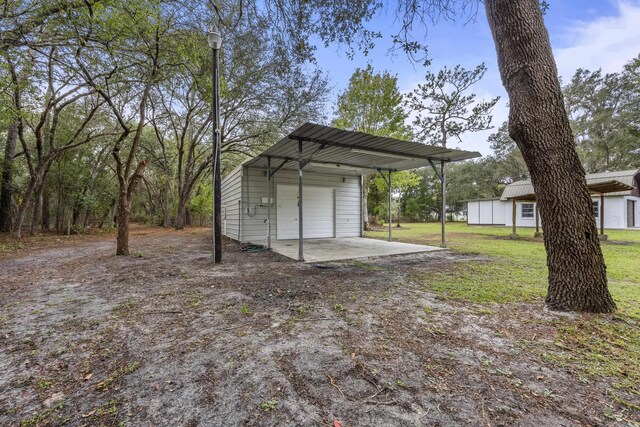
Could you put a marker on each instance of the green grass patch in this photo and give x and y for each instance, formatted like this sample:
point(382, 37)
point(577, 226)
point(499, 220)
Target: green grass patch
point(46, 417)
point(513, 271)
point(516, 270)
point(116, 375)
point(607, 348)
point(366, 266)
point(270, 405)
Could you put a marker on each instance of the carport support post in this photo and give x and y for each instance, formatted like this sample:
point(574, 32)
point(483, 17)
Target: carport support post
point(300, 198)
point(389, 238)
point(443, 215)
point(269, 197)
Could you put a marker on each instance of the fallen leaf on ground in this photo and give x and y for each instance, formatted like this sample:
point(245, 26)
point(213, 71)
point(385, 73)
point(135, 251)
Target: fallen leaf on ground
point(88, 414)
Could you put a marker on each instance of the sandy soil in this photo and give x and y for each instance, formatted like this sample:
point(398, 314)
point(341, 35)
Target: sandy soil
point(164, 338)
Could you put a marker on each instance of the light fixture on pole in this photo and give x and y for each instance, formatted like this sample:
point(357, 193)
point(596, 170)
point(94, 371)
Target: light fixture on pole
point(215, 42)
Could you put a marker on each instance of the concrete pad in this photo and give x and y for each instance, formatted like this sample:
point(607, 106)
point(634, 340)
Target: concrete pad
point(321, 250)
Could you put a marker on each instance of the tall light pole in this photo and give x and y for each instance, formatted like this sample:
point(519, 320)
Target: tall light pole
point(215, 42)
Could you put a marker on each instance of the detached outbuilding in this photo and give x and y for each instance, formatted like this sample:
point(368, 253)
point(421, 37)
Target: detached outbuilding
point(308, 187)
point(615, 196)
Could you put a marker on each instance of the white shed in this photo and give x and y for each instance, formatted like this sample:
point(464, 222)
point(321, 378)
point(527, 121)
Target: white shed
point(309, 184)
point(615, 196)
point(488, 211)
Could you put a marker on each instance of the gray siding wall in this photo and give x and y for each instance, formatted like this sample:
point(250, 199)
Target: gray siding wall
point(254, 213)
point(231, 196)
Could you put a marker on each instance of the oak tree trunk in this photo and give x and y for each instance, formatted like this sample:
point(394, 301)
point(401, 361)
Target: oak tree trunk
point(37, 211)
point(127, 191)
point(6, 185)
point(124, 208)
point(46, 209)
point(24, 205)
point(539, 125)
point(181, 214)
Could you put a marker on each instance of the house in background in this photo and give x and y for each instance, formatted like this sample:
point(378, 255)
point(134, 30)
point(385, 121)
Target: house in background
point(615, 195)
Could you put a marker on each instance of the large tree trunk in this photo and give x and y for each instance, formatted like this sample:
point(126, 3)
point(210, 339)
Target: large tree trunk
point(124, 208)
point(6, 186)
point(22, 209)
point(538, 123)
point(127, 191)
point(46, 209)
point(37, 210)
point(181, 217)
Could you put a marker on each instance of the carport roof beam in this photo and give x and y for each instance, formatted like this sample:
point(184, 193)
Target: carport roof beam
point(328, 164)
point(356, 150)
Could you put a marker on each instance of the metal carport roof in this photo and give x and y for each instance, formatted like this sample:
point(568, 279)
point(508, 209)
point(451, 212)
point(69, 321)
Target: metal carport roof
point(314, 146)
point(325, 146)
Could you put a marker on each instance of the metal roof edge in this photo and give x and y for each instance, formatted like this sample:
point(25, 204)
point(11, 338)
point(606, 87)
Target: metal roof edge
point(481, 200)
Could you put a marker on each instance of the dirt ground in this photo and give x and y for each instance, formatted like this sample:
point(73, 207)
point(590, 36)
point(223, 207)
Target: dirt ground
point(164, 338)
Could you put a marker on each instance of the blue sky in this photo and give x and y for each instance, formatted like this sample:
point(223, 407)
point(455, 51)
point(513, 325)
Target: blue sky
point(584, 34)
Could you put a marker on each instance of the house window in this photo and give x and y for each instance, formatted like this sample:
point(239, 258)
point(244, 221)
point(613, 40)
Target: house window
point(596, 208)
point(527, 210)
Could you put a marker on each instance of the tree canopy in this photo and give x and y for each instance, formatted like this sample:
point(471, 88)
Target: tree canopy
point(444, 108)
point(605, 115)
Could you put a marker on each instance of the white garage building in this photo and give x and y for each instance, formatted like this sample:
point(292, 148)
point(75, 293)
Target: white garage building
point(260, 198)
point(616, 203)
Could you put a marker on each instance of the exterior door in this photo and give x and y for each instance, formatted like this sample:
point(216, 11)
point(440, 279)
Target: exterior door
point(318, 212)
point(631, 213)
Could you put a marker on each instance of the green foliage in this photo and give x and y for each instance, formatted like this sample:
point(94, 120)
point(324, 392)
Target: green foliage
point(120, 49)
point(401, 182)
point(372, 103)
point(474, 179)
point(443, 108)
point(420, 202)
point(507, 161)
point(202, 202)
point(605, 115)
point(269, 405)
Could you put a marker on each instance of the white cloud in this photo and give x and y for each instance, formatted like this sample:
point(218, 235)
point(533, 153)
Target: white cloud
point(607, 42)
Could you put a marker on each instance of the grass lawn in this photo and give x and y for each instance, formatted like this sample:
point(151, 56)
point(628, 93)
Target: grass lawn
point(515, 271)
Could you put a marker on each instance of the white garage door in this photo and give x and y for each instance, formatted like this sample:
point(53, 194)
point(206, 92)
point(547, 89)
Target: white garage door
point(318, 212)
